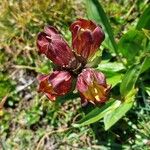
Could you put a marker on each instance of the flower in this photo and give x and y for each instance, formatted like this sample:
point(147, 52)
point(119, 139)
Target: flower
point(71, 63)
point(54, 46)
point(56, 84)
point(86, 37)
point(92, 86)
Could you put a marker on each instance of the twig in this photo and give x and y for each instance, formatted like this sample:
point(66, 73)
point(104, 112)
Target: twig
point(130, 11)
point(25, 67)
point(25, 86)
point(50, 133)
point(3, 101)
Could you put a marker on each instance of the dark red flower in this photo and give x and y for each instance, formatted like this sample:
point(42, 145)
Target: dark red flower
point(86, 37)
point(56, 84)
point(54, 46)
point(92, 86)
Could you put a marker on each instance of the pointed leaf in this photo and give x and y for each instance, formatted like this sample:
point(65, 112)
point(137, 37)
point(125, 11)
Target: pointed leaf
point(147, 89)
point(97, 114)
point(146, 64)
point(95, 12)
point(129, 80)
point(131, 76)
point(131, 44)
point(144, 21)
point(111, 67)
point(114, 80)
point(113, 116)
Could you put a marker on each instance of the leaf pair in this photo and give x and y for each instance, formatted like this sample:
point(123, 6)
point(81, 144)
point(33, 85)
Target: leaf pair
point(111, 112)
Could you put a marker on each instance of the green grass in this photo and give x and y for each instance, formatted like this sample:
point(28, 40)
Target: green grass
point(27, 119)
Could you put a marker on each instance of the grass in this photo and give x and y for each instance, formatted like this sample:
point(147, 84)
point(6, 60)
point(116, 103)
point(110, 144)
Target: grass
point(27, 119)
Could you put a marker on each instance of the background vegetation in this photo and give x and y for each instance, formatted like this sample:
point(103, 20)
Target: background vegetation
point(28, 120)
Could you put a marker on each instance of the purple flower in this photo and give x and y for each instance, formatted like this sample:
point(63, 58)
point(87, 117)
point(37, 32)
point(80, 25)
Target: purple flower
point(86, 39)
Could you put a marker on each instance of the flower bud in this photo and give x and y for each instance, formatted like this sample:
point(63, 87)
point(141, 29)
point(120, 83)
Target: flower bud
point(54, 46)
point(56, 84)
point(86, 37)
point(92, 86)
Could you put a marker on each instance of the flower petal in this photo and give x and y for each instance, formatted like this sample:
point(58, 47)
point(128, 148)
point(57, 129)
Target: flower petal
point(92, 86)
point(51, 31)
point(86, 37)
point(54, 46)
point(56, 84)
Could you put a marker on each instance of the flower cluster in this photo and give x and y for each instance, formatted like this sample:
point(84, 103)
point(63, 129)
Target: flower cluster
point(71, 62)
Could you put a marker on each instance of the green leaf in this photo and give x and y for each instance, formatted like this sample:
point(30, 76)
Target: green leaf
point(131, 76)
point(97, 113)
point(129, 80)
point(147, 89)
point(32, 116)
point(111, 71)
point(147, 33)
point(114, 80)
point(109, 67)
point(6, 85)
point(95, 12)
point(130, 44)
point(144, 21)
point(113, 116)
point(146, 64)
